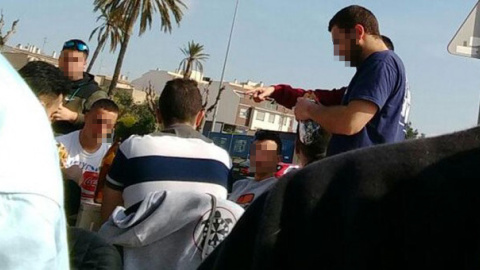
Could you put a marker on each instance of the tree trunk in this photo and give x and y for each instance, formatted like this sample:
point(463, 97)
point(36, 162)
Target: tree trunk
point(118, 66)
point(96, 53)
point(188, 70)
point(123, 49)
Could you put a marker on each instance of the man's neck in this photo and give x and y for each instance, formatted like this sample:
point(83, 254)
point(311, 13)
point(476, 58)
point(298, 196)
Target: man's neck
point(375, 45)
point(88, 143)
point(262, 176)
point(172, 126)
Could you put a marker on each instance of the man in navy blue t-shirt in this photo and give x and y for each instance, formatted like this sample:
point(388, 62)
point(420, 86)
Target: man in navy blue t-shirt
point(371, 110)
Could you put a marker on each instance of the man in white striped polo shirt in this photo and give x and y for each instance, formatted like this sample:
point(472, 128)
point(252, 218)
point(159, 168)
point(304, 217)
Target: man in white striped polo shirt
point(173, 181)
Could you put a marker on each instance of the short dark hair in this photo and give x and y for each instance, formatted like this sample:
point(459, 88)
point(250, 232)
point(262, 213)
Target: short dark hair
point(106, 104)
point(350, 16)
point(317, 149)
point(180, 101)
point(267, 135)
point(45, 79)
point(388, 42)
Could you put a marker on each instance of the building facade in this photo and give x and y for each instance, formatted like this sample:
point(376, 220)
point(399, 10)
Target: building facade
point(237, 113)
point(20, 55)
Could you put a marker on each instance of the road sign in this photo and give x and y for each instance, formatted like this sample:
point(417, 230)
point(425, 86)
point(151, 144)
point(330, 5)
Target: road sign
point(466, 41)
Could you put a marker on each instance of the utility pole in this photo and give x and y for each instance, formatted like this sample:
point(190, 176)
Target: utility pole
point(214, 118)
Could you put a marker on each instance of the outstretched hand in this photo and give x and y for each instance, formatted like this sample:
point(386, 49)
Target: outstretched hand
point(261, 93)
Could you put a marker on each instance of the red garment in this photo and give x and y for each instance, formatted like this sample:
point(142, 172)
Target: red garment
point(287, 96)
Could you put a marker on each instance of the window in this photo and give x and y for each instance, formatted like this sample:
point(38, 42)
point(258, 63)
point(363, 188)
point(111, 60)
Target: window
point(243, 113)
point(260, 116)
point(286, 121)
point(271, 118)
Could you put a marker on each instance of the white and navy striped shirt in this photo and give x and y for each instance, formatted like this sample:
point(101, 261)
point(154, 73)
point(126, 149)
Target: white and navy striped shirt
point(178, 159)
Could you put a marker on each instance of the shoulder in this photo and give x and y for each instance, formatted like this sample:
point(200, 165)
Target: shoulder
point(169, 145)
point(68, 139)
point(387, 60)
point(241, 184)
point(88, 86)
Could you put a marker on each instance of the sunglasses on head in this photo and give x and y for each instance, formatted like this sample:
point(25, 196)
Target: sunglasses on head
point(76, 45)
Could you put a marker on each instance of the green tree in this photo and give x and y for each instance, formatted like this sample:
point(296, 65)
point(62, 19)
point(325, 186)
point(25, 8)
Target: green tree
point(412, 133)
point(132, 11)
point(133, 118)
point(194, 56)
point(110, 28)
point(124, 101)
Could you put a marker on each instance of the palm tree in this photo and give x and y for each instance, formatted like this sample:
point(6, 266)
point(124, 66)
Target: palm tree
point(193, 58)
point(112, 28)
point(131, 11)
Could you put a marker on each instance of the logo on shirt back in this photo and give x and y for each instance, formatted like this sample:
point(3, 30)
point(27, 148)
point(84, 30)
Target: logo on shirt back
point(223, 221)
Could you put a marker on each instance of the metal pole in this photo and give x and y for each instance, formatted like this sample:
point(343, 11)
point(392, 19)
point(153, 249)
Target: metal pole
point(214, 119)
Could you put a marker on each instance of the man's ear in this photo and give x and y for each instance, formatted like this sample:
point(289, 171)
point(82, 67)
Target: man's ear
point(359, 32)
point(199, 118)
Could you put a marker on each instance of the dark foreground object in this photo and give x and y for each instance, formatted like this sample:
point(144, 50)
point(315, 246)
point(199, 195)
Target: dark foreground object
point(414, 205)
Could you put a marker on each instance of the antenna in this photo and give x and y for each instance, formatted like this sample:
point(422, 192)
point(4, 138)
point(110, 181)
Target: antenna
point(44, 42)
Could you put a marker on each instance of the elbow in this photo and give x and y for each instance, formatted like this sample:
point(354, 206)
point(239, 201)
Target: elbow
point(349, 129)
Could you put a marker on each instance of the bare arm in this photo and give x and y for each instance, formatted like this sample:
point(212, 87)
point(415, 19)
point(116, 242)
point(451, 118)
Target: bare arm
point(345, 120)
point(111, 199)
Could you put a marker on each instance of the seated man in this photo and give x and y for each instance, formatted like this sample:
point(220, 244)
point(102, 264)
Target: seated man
point(265, 154)
point(174, 182)
point(86, 147)
point(32, 220)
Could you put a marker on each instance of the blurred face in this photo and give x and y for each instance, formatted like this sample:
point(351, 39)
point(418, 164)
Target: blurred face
point(345, 44)
point(72, 63)
point(99, 123)
point(264, 157)
point(51, 105)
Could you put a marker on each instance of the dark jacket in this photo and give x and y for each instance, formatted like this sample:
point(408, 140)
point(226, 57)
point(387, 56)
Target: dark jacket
point(87, 250)
point(412, 205)
point(80, 98)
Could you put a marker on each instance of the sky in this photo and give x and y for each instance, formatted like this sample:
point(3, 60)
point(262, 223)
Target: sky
point(279, 41)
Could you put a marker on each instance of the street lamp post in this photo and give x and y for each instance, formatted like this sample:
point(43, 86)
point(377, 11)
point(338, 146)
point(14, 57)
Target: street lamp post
point(214, 118)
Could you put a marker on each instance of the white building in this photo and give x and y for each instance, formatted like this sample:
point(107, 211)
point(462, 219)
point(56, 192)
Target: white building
point(236, 113)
